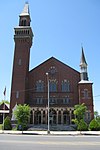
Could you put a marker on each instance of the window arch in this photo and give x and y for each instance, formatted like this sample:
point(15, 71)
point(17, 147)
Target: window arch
point(65, 86)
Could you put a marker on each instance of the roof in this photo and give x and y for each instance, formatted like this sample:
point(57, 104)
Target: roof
point(25, 11)
point(85, 82)
point(53, 58)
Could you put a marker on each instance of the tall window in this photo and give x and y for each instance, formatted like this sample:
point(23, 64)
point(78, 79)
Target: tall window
point(19, 62)
point(17, 94)
point(65, 86)
point(39, 86)
point(85, 93)
point(23, 23)
point(53, 86)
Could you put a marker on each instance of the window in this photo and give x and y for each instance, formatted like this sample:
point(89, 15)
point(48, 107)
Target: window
point(85, 93)
point(17, 94)
point(19, 62)
point(65, 86)
point(53, 86)
point(23, 23)
point(53, 100)
point(66, 100)
point(39, 86)
point(39, 100)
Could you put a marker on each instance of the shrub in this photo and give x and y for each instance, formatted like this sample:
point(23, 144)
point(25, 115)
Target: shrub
point(82, 125)
point(7, 124)
point(1, 126)
point(94, 125)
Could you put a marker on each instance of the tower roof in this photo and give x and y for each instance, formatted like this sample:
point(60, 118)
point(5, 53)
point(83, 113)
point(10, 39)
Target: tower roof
point(83, 60)
point(25, 11)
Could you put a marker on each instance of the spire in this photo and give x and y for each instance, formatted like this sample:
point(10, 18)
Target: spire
point(83, 60)
point(83, 67)
point(25, 11)
point(25, 16)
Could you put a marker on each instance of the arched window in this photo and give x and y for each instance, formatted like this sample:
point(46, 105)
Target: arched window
point(65, 86)
point(53, 86)
point(23, 22)
point(40, 86)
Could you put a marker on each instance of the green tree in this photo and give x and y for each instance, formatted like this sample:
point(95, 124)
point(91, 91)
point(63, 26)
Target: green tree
point(82, 125)
point(94, 125)
point(96, 114)
point(79, 112)
point(7, 124)
point(22, 114)
point(5, 101)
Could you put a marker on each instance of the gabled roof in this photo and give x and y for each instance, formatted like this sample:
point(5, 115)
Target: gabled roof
point(53, 59)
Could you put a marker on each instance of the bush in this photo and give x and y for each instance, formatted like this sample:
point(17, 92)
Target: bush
point(94, 125)
point(82, 126)
point(1, 126)
point(7, 124)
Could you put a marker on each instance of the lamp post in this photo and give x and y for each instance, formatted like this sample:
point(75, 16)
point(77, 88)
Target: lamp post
point(48, 102)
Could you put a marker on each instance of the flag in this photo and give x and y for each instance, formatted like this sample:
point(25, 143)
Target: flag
point(4, 91)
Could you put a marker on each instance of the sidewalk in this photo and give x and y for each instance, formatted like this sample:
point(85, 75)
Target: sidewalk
point(51, 132)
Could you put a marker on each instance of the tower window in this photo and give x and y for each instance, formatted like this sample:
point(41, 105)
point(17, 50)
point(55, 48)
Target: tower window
point(85, 93)
point(17, 94)
point(65, 86)
point(23, 22)
point(39, 86)
point(19, 62)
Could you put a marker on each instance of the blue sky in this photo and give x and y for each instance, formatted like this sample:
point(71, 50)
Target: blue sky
point(60, 27)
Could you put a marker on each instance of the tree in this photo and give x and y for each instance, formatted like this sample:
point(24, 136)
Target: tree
point(94, 125)
point(79, 112)
point(7, 124)
point(82, 125)
point(96, 114)
point(22, 114)
point(4, 101)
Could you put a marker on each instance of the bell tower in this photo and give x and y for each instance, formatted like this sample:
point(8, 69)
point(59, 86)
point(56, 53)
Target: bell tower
point(85, 88)
point(23, 41)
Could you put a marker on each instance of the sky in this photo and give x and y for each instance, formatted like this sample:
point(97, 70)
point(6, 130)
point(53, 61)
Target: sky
point(61, 28)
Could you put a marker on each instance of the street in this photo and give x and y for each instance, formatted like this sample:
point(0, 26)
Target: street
point(48, 142)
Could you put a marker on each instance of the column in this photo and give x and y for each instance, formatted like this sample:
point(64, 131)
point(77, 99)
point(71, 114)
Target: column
point(61, 116)
point(57, 117)
point(33, 116)
point(70, 113)
point(41, 116)
point(46, 116)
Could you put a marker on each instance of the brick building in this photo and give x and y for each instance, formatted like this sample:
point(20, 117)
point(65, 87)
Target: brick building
point(67, 87)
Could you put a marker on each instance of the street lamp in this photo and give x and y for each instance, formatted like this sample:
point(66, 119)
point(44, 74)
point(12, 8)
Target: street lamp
point(48, 102)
